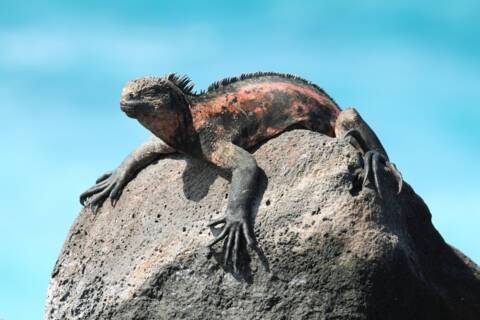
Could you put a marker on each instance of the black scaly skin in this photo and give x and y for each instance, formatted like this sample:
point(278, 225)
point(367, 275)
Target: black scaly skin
point(219, 126)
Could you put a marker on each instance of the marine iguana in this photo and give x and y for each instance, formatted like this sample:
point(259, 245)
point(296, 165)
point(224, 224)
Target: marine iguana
point(220, 124)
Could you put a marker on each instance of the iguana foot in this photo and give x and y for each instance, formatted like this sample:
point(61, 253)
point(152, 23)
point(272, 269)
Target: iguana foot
point(372, 162)
point(110, 184)
point(236, 231)
point(373, 159)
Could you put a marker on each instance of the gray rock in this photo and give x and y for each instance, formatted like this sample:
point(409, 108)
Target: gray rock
point(334, 250)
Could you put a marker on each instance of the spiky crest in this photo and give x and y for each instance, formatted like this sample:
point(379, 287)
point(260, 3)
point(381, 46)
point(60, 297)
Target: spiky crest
point(183, 82)
point(186, 85)
point(244, 76)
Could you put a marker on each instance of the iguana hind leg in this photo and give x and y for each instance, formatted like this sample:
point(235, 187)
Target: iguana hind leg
point(351, 126)
point(111, 184)
point(237, 226)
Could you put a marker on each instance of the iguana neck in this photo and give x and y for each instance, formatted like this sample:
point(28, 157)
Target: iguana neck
point(175, 128)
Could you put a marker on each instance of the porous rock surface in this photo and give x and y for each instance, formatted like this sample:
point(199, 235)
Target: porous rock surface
point(333, 250)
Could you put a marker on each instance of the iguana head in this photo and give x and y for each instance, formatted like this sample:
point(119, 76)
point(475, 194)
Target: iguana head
point(159, 105)
point(149, 96)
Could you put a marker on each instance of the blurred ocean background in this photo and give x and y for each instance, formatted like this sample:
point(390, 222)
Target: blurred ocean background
point(412, 68)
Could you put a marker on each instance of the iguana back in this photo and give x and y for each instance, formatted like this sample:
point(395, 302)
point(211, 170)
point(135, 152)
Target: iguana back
point(248, 109)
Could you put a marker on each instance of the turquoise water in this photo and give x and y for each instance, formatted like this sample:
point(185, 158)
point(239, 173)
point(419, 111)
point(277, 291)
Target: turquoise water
point(412, 70)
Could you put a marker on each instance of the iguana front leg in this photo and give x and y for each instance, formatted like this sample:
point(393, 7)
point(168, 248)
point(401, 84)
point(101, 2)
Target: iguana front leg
point(350, 125)
point(237, 225)
point(111, 183)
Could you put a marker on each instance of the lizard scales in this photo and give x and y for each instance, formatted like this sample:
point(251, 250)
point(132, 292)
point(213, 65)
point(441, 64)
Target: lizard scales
point(220, 124)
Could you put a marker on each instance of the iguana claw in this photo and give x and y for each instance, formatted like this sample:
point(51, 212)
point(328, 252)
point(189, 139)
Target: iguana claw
point(397, 174)
point(108, 185)
point(104, 176)
point(373, 159)
point(236, 231)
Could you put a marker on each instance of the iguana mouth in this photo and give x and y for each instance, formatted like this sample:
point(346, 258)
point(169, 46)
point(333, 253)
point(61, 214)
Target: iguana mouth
point(134, 107)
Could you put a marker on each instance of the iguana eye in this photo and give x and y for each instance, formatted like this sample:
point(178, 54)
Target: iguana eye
point(165, 97)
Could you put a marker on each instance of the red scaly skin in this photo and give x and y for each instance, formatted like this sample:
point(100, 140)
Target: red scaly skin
point(249, 113)
point(219, 125)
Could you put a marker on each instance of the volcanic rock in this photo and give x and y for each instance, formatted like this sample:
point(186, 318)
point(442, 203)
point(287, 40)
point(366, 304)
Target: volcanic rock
point(332, 249)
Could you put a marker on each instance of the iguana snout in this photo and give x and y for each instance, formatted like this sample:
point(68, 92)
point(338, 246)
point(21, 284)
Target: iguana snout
point(161, 107)
point(135, 107)
point(145, 97)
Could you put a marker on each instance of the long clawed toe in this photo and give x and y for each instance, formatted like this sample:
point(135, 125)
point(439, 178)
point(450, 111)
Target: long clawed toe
point(104, 176)
point(373, 161)
point(96, 201)
point(84, 197)
point(115, 194)
point(236, 235)
point(108, 185)
point(216, 231)
point(397, 174)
